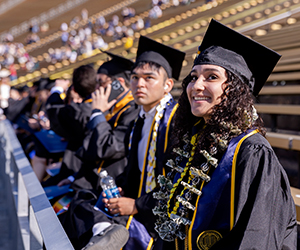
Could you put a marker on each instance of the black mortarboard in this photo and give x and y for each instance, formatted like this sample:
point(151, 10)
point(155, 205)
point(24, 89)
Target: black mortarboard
point(16, 88)
point(169, 58)
point(117, 66)
point(25, 88)
point(250, 61)
point(45, 84)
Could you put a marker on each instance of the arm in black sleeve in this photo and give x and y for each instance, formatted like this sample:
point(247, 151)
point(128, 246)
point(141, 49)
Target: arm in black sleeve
point(105, 142)
point(54, 105)
point(15, 108)
point(265, 216)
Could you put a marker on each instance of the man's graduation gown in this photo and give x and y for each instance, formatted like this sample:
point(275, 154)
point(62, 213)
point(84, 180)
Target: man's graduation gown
point(82, 215)
point(103, 147)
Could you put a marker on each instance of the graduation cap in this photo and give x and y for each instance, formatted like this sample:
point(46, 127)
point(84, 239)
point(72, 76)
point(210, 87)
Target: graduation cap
point(24, 88)
point(169, 58)
point(117, 66)
point(16, 88)
point(251, 61)
point(44, 84)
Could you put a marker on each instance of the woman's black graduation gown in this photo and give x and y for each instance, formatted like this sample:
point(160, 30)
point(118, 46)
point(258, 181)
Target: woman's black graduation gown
point(264, 210)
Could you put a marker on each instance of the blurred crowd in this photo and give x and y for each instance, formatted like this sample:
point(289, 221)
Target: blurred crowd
point(95, 34)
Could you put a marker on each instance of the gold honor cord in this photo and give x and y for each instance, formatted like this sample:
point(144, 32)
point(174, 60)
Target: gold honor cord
point(233, 176)
point(151, 163)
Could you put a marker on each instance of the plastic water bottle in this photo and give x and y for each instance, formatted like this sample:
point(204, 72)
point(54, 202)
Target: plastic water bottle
point(108, 185)
point(109, 188)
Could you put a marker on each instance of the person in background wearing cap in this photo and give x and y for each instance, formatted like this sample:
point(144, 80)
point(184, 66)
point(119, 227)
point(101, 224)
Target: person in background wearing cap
point(38, 121)
point(38, 117)
point(103, 146)
point(227, 189)
point(113, 109)
point(27, 106)
point(148, 138)
point(14, 109)
point(69, 120)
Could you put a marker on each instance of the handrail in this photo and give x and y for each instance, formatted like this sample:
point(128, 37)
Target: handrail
point(279, 109)
point(281, 90)
point(284, 141)
point(38, 223)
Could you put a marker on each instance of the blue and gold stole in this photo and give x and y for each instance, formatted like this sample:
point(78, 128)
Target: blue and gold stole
point(139, 237)
point(121, 106)
point(213, 217)
point(161, 145)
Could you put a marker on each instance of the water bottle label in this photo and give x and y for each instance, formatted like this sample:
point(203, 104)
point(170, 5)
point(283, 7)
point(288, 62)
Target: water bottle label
point(109, 194)
point(115, 192)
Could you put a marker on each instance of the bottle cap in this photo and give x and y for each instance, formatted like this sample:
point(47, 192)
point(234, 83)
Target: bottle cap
point(103, 173)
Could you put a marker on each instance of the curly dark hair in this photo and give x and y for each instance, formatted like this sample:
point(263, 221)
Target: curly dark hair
point(236, 104)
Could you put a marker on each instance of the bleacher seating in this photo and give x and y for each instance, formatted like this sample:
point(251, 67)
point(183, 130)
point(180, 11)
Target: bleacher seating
point(275, 24)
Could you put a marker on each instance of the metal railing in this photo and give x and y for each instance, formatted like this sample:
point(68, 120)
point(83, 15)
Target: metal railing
point(37, 224)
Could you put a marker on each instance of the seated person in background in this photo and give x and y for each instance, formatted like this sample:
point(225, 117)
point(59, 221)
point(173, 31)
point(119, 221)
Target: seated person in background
point(13, 109)
point(103, 146)
point(69, 120)
point(151, 81)
point(38, 122)
point(229, 190)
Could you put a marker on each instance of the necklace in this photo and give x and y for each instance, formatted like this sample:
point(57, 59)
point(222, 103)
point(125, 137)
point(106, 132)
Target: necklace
point(183, 174)
point(172, 222)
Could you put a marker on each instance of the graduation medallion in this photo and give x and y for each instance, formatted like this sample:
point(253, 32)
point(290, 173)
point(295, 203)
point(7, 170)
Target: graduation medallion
point(207, 239)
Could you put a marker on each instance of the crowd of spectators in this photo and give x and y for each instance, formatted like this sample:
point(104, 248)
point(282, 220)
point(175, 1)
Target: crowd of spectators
point(75, 42)
point(12, 52)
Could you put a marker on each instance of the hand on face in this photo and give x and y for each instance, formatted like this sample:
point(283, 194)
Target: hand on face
point(100, 99)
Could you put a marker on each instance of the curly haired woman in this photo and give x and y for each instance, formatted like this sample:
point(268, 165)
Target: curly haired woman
point(227, 189)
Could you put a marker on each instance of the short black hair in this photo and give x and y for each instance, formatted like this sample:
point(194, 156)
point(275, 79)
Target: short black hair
point(84, 80)
point(153, 66)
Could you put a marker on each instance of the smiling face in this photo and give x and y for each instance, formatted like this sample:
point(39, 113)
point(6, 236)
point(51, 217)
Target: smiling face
point(205, 89)
point(149, 86)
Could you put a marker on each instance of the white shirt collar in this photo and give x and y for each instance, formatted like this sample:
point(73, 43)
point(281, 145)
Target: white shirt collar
point(150, 113)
